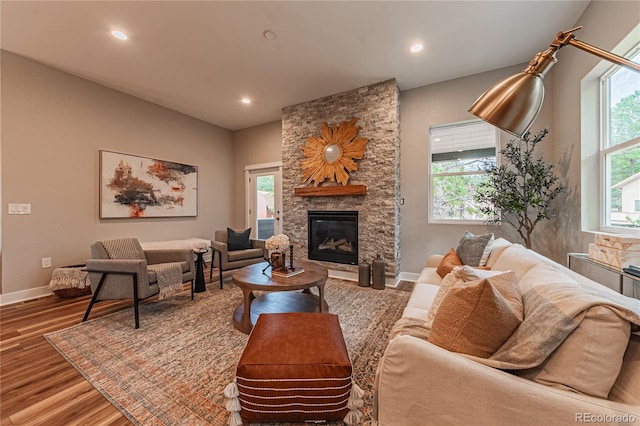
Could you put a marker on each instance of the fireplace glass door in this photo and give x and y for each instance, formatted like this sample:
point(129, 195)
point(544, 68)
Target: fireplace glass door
point(333, 236)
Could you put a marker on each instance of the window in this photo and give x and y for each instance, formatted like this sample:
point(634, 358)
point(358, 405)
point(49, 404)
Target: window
point(620, 145)
point(458, 153)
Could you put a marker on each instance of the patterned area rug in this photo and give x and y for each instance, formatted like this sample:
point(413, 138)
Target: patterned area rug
point(173, 369)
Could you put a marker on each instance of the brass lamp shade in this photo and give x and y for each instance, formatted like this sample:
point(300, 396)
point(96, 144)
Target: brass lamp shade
point(515, 102)
point(511, 104)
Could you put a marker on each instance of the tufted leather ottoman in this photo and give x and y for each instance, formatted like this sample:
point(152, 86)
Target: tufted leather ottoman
point(295, 367)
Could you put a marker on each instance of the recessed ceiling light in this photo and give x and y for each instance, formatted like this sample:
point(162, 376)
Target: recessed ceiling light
point(119, 35)
point(246, 101)
point(269, 35)
point(416, 48)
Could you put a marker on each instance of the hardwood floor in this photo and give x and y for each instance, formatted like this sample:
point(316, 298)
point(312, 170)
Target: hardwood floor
point(37, 385)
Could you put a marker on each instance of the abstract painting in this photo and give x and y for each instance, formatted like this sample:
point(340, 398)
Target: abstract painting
point(138, 187)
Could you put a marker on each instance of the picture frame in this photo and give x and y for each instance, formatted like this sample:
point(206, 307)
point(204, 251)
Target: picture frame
point(132, 186)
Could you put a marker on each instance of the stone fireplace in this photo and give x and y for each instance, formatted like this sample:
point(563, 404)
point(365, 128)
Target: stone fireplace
point(333, 236)
point(377, 109)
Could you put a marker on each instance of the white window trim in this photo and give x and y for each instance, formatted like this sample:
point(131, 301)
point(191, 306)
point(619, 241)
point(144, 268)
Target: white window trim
point(592, 205)
point(604, 151)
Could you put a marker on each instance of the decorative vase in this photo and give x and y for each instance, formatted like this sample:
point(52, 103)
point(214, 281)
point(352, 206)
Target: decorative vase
point(364, 272)
point(378, 273)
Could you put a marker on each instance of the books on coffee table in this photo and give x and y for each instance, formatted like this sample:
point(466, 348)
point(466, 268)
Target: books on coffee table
point(279, 273)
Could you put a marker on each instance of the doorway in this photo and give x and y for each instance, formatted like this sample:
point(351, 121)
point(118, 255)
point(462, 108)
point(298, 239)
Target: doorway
point(263, 183)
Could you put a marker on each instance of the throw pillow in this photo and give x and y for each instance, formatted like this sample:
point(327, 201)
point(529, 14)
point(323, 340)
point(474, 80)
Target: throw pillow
point(238, 240)
point(448, 282)
point(474, 250)
point(448, 262)
point(477, 317)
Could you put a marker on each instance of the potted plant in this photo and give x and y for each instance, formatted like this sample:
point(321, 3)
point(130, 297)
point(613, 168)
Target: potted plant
point(521, 190)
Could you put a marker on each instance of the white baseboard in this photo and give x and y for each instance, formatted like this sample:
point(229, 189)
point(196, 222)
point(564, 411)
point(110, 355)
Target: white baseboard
point(408, 276)
point(23, 295)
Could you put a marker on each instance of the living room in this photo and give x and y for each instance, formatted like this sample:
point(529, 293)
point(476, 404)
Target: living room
point(52, 137)
point(54, 124)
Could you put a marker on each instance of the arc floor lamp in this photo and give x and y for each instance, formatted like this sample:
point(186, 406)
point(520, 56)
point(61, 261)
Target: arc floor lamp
point(513, 103)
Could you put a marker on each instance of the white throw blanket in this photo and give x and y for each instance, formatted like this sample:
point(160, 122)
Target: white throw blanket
point(554, 306)
point(64, 278)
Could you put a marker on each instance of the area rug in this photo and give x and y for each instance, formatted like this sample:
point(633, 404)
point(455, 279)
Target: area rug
point(173, 369)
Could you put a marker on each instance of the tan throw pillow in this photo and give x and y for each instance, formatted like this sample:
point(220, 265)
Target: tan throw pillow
point(590, 358)
point(477, 317)
point(474, 250)
point(448, 262)
point(448, 282)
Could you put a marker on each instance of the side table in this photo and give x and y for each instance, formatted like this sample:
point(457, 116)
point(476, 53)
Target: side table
point(200, 284)
point(584, 257)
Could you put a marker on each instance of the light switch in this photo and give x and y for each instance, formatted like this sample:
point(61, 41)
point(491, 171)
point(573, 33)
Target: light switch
point(19, 208)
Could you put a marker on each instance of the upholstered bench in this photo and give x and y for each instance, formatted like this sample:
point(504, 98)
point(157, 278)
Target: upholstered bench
point(295, 367)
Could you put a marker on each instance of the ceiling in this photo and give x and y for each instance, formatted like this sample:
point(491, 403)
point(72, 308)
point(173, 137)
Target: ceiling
point(202, 57)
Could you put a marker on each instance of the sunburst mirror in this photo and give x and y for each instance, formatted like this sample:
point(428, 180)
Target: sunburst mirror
point(331, 155)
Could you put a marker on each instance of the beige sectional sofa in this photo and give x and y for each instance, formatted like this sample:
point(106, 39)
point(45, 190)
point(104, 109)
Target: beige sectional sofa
point(419, 383)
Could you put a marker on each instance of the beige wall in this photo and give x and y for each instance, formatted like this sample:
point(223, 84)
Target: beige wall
point(53, 125)
point(442, 103)
point(255, 145)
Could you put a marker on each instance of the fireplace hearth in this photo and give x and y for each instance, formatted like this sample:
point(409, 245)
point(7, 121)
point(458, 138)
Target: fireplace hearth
point(333, 236)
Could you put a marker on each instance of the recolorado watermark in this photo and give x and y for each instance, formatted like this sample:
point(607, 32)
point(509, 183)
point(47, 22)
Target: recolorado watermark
point(605, 418)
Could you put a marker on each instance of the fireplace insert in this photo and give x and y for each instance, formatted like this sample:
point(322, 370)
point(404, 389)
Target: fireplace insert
point(333, 236)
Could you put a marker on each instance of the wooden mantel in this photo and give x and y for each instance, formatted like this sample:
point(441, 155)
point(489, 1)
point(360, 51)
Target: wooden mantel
point(327, 191)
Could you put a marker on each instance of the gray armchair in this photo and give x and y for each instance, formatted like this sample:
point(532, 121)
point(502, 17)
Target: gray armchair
point(227, 260)
point(128, 276)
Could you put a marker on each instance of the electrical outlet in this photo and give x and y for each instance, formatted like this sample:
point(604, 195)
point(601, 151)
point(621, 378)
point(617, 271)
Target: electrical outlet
point(46, 262)
point(19, 208)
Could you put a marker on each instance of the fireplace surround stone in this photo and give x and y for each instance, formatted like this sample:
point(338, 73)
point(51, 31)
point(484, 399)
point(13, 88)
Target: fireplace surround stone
point(378, 112)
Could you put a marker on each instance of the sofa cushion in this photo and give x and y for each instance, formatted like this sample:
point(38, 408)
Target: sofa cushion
point(516, 258)
point(238, 240)
point(429, 276)
point(477, 317)
point(625, 389)
point(422, 297)
point(590, 358)
point(250, 253)
point(448, 262)
point(499, 245)
point(474, 250)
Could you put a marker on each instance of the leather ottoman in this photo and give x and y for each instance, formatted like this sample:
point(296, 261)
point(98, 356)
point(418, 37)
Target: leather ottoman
point(295, 367)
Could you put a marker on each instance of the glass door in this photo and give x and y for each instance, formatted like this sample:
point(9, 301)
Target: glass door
point(264, 201)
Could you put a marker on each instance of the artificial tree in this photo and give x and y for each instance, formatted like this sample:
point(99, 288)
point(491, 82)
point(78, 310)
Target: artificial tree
point(521, 190)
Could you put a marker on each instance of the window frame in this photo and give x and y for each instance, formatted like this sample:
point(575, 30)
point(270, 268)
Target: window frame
point(431, 175)
point(605, 149)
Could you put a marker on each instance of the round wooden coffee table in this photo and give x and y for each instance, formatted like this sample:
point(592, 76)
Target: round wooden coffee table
point(279, 292)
